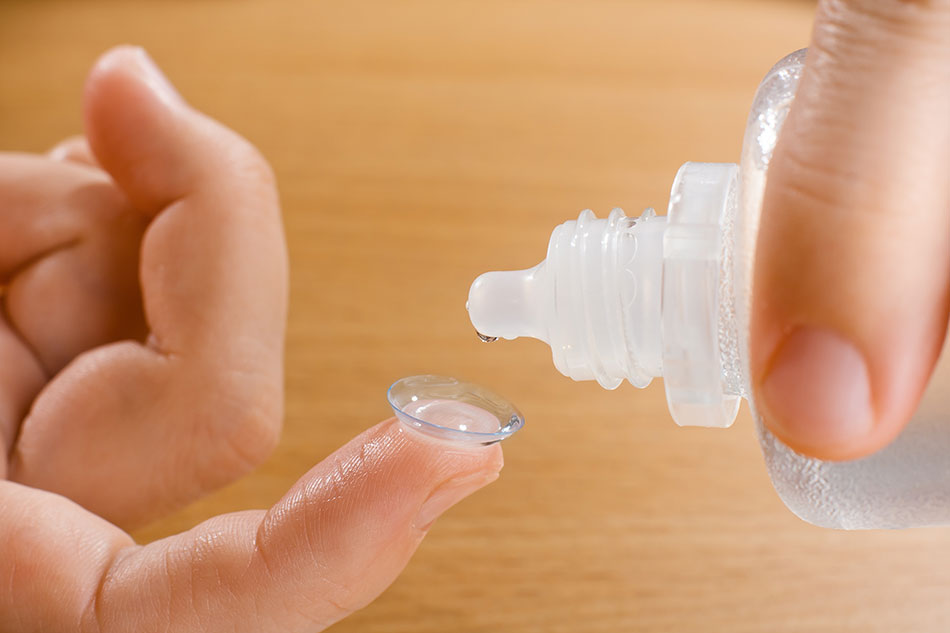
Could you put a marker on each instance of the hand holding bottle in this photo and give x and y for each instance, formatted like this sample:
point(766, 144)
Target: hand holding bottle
point(853, 259)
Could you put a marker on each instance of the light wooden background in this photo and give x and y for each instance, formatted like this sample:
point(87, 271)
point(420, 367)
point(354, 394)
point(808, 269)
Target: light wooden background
point(421, 142)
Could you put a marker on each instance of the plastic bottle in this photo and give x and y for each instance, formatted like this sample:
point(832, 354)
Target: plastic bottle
point(639, 298)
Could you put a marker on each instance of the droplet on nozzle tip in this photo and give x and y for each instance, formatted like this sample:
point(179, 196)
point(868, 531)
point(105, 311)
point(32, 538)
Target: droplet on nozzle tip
point(486, 339)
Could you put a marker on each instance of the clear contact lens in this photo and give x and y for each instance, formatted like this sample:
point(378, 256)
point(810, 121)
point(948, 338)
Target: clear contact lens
point(452, 409)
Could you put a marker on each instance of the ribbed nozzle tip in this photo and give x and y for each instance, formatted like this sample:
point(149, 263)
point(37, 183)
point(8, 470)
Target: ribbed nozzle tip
point(506, 304)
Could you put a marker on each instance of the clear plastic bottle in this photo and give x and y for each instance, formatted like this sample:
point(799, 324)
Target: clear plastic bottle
point(669, 296)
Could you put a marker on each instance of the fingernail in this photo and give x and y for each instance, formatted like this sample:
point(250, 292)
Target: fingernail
point(817, 391)
point(154, 77)
point(448, 494)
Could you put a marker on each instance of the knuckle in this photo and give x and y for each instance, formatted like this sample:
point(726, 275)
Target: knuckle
point(245, 424)
point(805, 187)
point(343, 598)
point(253, 430)
point(889, 8)
point(873, 20)
point(249, 164)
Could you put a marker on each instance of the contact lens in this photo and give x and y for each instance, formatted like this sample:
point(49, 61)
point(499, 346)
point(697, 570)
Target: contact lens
point(451, 409)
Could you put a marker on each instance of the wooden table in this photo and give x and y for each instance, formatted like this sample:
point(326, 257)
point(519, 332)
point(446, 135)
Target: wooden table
point(421, 142)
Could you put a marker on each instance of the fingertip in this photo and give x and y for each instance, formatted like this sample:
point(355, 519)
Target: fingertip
point(371, 503)
point(435, 474)
point(442, 460)
point(133, 119)
point(449, 494)
point(816, 394)
point(156, 147)
point(74, 149)
point(386, 474)
point(132, 62)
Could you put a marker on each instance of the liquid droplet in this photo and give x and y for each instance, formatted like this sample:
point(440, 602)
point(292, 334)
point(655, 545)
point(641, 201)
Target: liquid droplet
point(486, 339)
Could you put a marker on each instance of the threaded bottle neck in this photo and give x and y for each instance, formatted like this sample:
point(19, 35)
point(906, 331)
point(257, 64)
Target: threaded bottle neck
point(634, 298)
point(605, 318)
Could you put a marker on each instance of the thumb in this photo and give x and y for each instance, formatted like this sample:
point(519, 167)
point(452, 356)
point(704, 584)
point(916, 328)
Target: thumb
point(852, 276)
point(201, 402)
point(334, 542)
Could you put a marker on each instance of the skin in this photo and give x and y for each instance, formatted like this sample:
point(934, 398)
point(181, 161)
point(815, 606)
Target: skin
point(144, 292)
point(112, 414)
point(852, 272)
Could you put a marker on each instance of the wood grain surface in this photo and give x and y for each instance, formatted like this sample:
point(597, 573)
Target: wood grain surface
point(419, 143)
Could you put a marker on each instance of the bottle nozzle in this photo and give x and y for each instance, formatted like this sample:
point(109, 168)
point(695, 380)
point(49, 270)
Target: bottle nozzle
point(507, 305)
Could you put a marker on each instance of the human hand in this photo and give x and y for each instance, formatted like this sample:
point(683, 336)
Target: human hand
point(852, 277)
point(112, 411)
